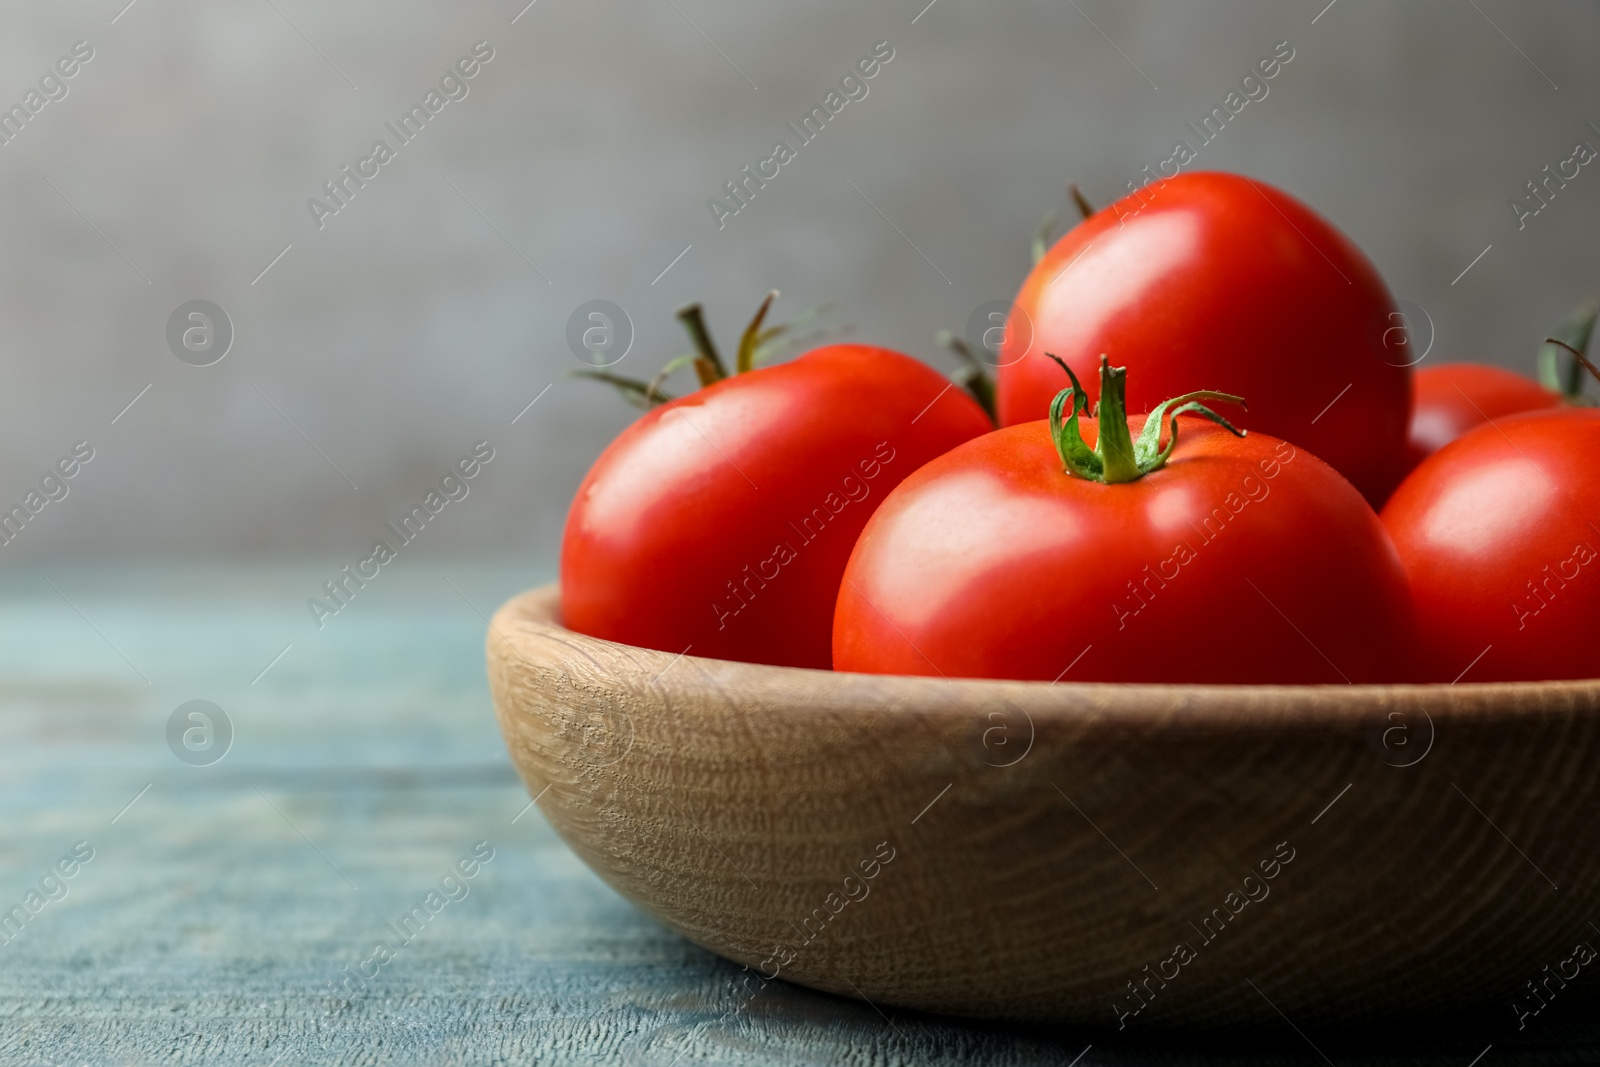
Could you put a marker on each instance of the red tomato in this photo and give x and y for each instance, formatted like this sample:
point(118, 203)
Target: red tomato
point(1215, 281)
point(1452, 398)
point(720, 522)
point(1239, 560)
point(1497, 534)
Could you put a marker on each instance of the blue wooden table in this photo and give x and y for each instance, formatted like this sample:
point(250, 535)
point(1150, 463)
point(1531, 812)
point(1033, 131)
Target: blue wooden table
point(227, 905)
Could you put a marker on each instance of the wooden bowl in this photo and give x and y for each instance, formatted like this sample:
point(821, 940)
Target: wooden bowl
point(1039, 852)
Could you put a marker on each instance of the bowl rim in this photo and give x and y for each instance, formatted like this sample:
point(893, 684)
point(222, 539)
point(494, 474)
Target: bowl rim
point(534, 617)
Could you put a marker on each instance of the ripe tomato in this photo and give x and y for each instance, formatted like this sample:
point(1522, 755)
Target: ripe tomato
point(1234, 559)
point(1452, 398)
point(1215, 281)
point(720, 522)
point(1497, 534)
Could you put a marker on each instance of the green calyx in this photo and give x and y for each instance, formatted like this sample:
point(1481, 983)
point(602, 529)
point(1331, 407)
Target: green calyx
point(1117, 455)
point(973, 374)
point(758, 343)
point(1580, 362)
point(1045, 234)
point(708, 366)
point(1571, 337)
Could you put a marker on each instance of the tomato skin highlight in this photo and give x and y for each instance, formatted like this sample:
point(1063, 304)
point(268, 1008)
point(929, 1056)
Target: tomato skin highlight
point(1452, 398)
point(1214, 281)
point(721, 521)
point(1497, 532)
point(1241, 561)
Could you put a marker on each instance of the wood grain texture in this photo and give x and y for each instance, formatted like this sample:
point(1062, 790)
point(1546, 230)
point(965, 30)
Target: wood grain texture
point(212, 919)
point(215, 914)
point(1052, 842)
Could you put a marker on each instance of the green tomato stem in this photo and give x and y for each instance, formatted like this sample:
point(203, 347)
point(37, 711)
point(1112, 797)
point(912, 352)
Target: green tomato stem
point(1573, 336)
point(973, 375)
point(1046, 230)
point(1117, 456)
point(708, 366)
point(1579, 360)
point(751, 341)
point(1043, 233)
point(1085, 208)
point(1116, 443)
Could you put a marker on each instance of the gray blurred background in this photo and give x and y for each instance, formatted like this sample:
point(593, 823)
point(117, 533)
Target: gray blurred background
point(433, 308)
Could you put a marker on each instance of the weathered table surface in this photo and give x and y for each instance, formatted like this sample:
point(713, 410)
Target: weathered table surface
point(226, 905)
